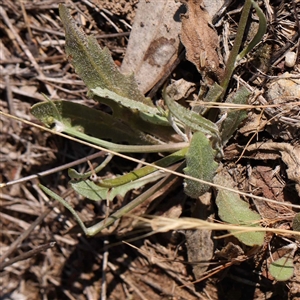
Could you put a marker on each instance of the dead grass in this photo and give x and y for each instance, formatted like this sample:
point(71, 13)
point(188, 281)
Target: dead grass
point(40, 258)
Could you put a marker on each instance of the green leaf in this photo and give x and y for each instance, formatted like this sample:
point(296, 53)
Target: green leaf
point(191, 119)
point(232, 209)
point(94, 65)
point(214, 93)
point(97, 69)
point(122, 184)
point(84, 120)
point(282, 269)
point(147, 113)
point(200, 164)
point(73, 174)
point(259, 34)
point(234, 117)
point(90, 190)
point(135, 174)
point(66, 205)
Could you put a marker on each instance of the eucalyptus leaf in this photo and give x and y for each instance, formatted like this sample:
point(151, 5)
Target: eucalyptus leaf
point(232, 209)
point(94, 65)
point(200, 164)
point(282, 269)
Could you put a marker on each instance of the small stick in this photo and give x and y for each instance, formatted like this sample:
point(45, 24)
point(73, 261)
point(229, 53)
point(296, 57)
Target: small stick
point(27, 255)
point(24, 235)
point(54, 170)
point(23, 46)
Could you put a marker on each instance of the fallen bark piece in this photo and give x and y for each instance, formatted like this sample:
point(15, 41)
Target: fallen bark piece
point(154, 42)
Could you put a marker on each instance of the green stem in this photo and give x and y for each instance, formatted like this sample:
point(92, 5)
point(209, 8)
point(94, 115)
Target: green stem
point(91, 231)
point(230, 65)
point(66, 205)
point(139, 173)
point(234, 57)
point(260, 32)
point(126, 148)
point(127, 208)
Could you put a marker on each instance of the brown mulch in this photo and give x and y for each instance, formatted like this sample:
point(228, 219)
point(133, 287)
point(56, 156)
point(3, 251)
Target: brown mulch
point(40, 257)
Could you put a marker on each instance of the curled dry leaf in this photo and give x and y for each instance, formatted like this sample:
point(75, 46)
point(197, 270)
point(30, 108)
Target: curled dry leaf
point(290, 155)
point(200, 39)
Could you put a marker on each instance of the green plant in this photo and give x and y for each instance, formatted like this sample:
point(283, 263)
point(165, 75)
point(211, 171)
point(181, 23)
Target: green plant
point(136, 121)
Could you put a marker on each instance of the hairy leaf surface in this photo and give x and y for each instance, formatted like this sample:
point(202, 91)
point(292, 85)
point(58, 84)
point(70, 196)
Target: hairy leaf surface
point(234, 210)
point(191, 119)
point(234, 117)
point(200, 164)
point(94, 65)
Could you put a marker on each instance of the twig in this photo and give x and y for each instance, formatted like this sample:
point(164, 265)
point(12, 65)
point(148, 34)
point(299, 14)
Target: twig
point(104, 269)
point(26, 18)
point(27, 255)
point(24, 235)
point(298, 27)
point(54, 170)
point(23, 46)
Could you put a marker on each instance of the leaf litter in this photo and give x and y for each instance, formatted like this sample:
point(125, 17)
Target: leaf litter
point(26, 150)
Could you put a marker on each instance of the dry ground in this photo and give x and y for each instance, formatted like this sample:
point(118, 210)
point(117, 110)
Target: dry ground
point(65, 265)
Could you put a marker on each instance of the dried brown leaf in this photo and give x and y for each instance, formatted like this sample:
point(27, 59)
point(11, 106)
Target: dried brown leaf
point(290, 155)
point(199, 38)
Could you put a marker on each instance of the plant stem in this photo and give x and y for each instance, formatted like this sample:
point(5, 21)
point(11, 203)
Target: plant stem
point(126, 148)
point(230, 65)
point(93, 230)
point(260, 32)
